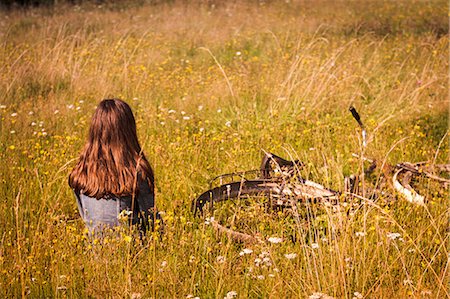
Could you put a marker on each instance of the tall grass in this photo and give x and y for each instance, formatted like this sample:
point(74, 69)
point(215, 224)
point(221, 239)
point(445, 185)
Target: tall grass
point(213, 85)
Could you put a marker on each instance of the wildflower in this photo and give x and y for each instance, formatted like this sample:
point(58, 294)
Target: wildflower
point(202, 129)
point(127, 239)
point(162, 123)
point(393, 236)
point(220, 259)
point(81, 101)
point(357, 295)
point(257, 261)
point(14, 114)
point(200, 107)
point(260, 277)
point(238, 53)
point(56, 111)
point(2, 106)
point(33, 123)
point(290, 256)
point(186, 118)
point(275, 240)
point(209, 220)
point(12, 147)
point(78, 108)
point(360, 234)
point(219, 110)
point(230, 295)
point(183, 113)
point(171, 111)
point(30, 113)
point(228, 123)
point(12, 132)
point(245, 251)
point(407, 282)
point(314, 245)
point(191, 259)
point(70, 106)
point(318, 295)
point(271, 275)
point(163, 264)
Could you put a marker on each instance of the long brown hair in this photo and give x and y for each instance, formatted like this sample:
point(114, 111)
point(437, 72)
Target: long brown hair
point(112, 162)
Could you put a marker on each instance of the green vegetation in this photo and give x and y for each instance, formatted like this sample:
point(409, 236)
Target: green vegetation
point(212, 85)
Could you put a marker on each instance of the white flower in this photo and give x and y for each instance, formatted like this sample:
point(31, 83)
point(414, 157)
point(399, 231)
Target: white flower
point(314, 245)
point(163, 264)
point(260, 277)
point(318, 295)
point(12, 132)
point(220, 259)
point(44, 133)
point(219, 110)
point(360, 234)
point(257, 261)
point(81, 101)
point(393, 236)
point(200, 108)
point(56, 111)
point(238, 53)
point(171, 111)
point(275, 240)
point(271, 275)
point(14, 114)
point(162, 123)
point(407, 282)
point(30, 113)
point(209, 220)
point(228, 123)
point(183, 113)
point(290, 256)
point(231, 294)
point(78, 108)
point(2, 106)
point(186, 118)
point(70, 106)
point(357, 295)
point(202, 129)
point(245, 251)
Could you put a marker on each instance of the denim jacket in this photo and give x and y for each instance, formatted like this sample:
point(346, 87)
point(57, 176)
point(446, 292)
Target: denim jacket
point(105, 212)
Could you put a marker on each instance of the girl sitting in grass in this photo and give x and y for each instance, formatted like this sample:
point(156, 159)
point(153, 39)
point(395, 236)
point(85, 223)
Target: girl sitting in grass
point(112, 177)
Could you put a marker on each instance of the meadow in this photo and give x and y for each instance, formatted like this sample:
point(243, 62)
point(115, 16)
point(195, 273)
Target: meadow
point(213, 85)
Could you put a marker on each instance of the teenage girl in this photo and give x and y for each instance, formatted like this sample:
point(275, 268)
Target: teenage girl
point(113, 177)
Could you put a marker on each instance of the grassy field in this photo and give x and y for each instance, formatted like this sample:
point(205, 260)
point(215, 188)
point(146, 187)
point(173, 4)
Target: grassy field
point(213, 85)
